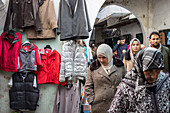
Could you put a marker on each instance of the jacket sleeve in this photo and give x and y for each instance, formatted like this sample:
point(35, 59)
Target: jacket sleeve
point(59, 19)
point(8, 17)
point(125, 64)
point(37, 20)
point(115, 47)
point(52, 15)
point(119, 103)
point(62, 70)
point(37, 57)
point(1, 45)
point(88, 20)
point(89, 87)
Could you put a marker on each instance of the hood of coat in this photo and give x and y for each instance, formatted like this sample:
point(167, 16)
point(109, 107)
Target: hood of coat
point(96, 64)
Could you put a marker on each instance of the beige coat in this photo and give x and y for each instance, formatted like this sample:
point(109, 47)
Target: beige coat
point(48, 20)
point(101, 87)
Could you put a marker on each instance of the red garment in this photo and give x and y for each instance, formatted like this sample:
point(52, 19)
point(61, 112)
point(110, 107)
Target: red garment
point(10, 45)
point(29, 58)
point(49, 73)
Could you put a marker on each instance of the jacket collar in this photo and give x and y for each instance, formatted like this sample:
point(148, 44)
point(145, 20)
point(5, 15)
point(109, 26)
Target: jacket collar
point(30, 49)
point(96, 64)
point(72, 13)
point(11, 32)
point(43, 51)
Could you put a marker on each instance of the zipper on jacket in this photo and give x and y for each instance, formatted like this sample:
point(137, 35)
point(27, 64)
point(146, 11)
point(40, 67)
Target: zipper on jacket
point(24, 90)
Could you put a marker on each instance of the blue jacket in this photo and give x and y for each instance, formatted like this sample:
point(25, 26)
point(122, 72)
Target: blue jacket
point(120, 48)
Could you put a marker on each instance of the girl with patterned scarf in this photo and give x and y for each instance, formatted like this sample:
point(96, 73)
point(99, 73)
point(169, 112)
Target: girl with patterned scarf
point(144, 89)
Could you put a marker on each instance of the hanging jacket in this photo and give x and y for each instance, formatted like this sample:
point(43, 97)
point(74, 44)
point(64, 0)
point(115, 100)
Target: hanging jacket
point(23, 13)
point(73, 61)
point(67, 100)
point(23, 96)
point(10, 44)
point(29, 58)
point(80, 63)
point(49, 73)
point(49, 22)
point(73, 20)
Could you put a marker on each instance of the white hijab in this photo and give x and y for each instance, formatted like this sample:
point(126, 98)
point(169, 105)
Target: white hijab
point(106, 51)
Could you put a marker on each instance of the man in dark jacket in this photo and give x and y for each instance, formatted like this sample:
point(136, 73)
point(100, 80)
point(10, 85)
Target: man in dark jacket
point(120, 46)
point(154, 40)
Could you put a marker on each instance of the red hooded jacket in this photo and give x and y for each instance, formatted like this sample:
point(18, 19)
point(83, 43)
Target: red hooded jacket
point(49, 73)
point(10, 44)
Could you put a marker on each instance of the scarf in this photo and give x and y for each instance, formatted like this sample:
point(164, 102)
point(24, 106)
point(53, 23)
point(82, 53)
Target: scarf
point(106, 51)
point(146, 59)
point(131, 42)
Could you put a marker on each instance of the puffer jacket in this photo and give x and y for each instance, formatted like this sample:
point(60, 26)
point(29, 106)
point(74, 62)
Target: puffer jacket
point(23, 13)
point(73, 61)
point(80, 62)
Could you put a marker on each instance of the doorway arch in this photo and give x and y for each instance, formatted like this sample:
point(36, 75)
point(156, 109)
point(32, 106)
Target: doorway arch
point(135, 7)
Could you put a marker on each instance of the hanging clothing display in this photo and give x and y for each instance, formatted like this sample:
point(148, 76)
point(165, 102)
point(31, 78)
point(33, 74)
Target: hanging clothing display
point(29, 58)
point(23, 13)
point(67, 100)
point(10, 44)
point(3, 8)
point(48, 20)
point(73, 20)
point(22, 95)
point(73, 61)
point(49, 73)
point(168, 40)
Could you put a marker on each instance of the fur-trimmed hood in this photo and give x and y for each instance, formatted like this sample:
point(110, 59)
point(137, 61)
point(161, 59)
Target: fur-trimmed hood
point(96, 64)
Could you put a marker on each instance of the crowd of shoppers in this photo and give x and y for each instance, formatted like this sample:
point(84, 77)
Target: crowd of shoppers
point(136, 81)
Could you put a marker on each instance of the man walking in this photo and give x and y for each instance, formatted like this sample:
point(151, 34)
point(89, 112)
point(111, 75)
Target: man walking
point(120, 46)
point(154, 40)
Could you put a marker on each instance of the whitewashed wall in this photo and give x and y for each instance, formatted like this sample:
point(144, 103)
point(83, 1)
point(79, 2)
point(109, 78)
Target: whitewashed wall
point(133, 29)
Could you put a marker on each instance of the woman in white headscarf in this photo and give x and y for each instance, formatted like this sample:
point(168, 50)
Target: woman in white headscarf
point(128, 56)
point(104, 74)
